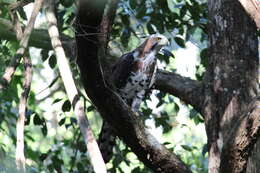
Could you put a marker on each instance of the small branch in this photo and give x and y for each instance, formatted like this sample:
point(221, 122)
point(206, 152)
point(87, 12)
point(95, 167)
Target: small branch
point(241, 140)
point(20, 159)
point(72, 92)
point(252, 7)
point(23, 45)
point(188, 90)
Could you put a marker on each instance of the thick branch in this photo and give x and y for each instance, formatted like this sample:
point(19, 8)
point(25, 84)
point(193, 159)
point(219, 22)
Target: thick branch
point(252, 7)
point(112, 108)
point(72, 92)
point(23, 45)
point(188, 90)
point(242, 140)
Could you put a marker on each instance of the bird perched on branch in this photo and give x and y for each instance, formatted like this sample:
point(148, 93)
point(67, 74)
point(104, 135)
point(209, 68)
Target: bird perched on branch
point(133, 76)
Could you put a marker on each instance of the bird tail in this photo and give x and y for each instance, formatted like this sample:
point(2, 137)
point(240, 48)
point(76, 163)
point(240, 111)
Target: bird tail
point(106, 141)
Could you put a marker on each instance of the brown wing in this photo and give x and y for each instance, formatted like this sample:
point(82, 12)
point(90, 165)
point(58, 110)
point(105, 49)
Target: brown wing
point(122, 70)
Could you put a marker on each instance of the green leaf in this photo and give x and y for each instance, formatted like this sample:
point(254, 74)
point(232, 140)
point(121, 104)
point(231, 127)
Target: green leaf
point(37, 120)
point(186, 147)
point(150, 28)
point(204, 57)
point(136, 170)
point(132, 4)
point(45, 54)
point(90, 108)
point(44, 128)
point(179, 41)
point(43, 156)
point(193, 113)
point(62, 121)
point(66, 106)
point(176, 108)
point(125, 20)
point(52, 61)
point(56, 101)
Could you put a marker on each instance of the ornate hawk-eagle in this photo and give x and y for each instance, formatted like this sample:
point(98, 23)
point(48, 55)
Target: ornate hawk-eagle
point(133, 76)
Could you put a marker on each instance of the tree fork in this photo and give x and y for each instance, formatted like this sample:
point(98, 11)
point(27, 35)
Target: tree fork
point(127, 125)
point(231, 80)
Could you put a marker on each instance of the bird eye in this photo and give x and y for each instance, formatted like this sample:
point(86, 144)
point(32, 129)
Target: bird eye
point(158, 38)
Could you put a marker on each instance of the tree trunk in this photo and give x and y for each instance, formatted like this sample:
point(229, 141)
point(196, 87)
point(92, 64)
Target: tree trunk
point(231, 83)
point(253, 165)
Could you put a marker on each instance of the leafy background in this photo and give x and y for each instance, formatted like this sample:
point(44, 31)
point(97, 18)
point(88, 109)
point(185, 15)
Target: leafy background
point(53, 142)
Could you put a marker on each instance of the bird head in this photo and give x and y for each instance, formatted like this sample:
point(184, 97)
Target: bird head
point(158, 41)
point(153, 43)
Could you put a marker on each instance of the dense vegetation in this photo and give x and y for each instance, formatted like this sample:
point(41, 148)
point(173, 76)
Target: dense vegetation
point(53, 142)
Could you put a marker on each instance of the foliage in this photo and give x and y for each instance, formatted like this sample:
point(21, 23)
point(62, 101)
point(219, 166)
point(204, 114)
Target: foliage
point(52, 138)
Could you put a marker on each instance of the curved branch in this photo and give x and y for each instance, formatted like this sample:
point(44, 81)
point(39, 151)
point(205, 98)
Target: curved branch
point(188, 90)
point(112, 108)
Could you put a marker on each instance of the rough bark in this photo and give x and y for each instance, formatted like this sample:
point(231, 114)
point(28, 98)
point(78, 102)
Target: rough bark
point(231, 80)
point(241, 140)
point(126, 124)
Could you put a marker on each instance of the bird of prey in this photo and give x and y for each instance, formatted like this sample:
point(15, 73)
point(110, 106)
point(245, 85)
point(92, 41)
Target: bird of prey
point(133, 76)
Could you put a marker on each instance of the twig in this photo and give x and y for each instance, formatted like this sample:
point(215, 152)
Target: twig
point(20, 159)
point(66, 75)
point(23, 45)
